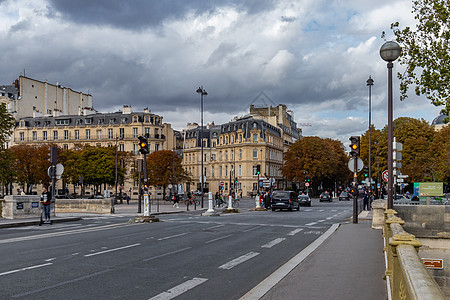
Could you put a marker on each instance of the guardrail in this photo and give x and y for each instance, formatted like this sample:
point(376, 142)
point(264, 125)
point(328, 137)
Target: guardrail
point(406, 276)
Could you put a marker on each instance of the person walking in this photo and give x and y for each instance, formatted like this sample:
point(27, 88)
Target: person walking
point(46, 198)
point(366, 200)
point(175, 201)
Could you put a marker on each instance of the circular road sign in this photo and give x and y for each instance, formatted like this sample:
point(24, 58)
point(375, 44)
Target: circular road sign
point(222, 183)
point(307, 184)
point(385, 175)
point(359, 164)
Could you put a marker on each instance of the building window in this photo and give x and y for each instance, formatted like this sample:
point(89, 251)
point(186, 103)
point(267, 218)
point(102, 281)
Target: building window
point(22, 136)
point(121, 147)
point(156, 147)
point(135, 148)
point(226, 140)
point(226, 171)
point(66, 134)
point(212, 171)
point(226, 155)
point(147, 119)
point(240, 138)
point(220, 155)
point(55, 135)
point(77, 134)
point(65, 147)
point(254, 171)
point(156, 133)
point(255, 137)
point(147, 131)
point(239, 170)
point(99, 134)
point(220, 171)
point(121, 133)
point(232, 154)
point(44, 135)
point(110, 133)
point(255, 186)
point(135, 133)
point(88, 134)
point(240, 153)
point(34, 135)
point(213, 157)
point(88, 121)
point(255, 153)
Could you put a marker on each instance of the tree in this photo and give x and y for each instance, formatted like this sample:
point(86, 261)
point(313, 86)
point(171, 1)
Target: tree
point(6, 171)
point(426, 50)
point(30, 164)
point(7, 123)
point(164, 168)
point(324, 160)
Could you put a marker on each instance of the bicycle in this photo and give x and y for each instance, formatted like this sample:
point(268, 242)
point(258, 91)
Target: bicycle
point(235, 203)
point(191, 201)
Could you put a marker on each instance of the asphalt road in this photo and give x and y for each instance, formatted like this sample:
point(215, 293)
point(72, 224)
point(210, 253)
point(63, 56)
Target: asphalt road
point(185, 255)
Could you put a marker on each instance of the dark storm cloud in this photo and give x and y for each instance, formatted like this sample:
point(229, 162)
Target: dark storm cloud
point(140, 14)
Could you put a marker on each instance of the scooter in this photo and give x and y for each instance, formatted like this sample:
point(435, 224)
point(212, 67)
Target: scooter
point(41, 221)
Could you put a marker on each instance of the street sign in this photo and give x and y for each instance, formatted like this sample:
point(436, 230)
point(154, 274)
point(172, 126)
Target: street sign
point(385, 175)
point(307, 184)
point(400, 180)
point(402, 176)
point(200, 179)
point(222, 183)
point(59, 169)
point(359, 165)
point(432, 263)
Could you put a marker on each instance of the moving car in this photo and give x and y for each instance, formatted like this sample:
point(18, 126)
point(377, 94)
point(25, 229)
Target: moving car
point(304, 200)
point(325, 196)
point(344, 196)
point(284, 200)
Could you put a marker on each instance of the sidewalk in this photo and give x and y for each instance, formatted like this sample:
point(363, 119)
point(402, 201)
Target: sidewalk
point(349, 264)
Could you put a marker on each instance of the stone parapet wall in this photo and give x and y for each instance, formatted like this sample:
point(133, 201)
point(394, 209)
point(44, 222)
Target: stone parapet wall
point(22, 207)
point(94, 206)
point(425, 220)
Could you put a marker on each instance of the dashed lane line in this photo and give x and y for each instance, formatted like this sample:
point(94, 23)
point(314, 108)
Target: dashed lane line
point(273, 243)
point(167, 254)
point(233, 263)
point(111, 250)
point(179, 289)
point(172, 236)
point(218, 239)
point(295, 231)
point(25, 269)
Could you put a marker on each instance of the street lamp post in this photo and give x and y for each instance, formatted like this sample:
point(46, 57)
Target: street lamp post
point(202, 93)
point(389, 52)
point(369, 84)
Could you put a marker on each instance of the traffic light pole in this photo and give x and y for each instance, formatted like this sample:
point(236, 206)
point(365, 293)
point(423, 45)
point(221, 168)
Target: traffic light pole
point(146, 197)
point(355, 194)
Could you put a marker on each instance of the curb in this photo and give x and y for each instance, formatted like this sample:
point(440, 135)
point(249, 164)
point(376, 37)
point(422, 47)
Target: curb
point(30, 223)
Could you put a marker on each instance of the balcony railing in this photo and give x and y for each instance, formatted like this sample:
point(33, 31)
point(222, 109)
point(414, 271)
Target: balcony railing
point(82, 138)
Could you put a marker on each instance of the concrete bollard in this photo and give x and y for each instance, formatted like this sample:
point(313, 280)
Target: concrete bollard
point(230, 202)
point(258, 202)
point(378, 214)
point(210, 203)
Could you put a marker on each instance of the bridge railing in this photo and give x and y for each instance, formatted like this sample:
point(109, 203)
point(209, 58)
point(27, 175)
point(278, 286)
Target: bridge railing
point(406, 275)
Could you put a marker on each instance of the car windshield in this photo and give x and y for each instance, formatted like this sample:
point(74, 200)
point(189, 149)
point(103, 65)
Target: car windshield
point(303, 196)
point(344, 194)
point(281, 194)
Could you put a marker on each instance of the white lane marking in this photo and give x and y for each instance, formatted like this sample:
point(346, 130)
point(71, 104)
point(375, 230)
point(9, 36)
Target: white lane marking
point(172, 236)
point(295, 231)
point(233, 263)
point(250, 229)
point(54, 234)
point(218, 239)
point(321, 210)
point(309, 209)
point(50, 259)
point(217, 226)
point(320, 221)
point(111, 250)
point(261, 289)
point(239, 224)
point(24, 269)
point(167, 254)
point(310, 224)
point(179, 289)
point(329, 218)
point(273, 243)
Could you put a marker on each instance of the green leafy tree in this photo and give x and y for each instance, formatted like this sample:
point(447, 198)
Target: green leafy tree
point(164, 168)
point(425, 50)
point(324, 160)
point(7, 173)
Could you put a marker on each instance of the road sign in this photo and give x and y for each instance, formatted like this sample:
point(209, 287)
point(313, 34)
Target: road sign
point(400, 180)
point(59, 169)
point(402, 176)
point(385, 175)
point(359, 165)
point(307, 184)
point(222, 183)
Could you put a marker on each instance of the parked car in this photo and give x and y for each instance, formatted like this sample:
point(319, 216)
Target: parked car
point(344, 196)
point(284, 200)
point(304, 200)
point(325, 196)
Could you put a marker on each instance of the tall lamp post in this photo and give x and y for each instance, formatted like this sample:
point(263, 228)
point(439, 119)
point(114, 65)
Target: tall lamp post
point(369, 84)
point(202, 93)
point(389, 52)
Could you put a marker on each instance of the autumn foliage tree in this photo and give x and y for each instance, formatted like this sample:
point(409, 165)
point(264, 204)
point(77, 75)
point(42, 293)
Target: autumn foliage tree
point(164, 168)
point(324, 160)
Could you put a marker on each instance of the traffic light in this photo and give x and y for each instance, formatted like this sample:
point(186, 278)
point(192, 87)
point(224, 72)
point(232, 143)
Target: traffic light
point(307, 178)
point(53, 156)
point(354, 146)
point(258, 169)
point(366, 171)
point(143, 145)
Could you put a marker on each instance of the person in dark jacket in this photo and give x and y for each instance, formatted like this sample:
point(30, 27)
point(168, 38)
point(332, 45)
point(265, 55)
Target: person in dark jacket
point(46, 198)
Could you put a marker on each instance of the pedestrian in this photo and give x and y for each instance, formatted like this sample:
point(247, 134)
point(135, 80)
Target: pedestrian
point(127, 197)
point(175, 200)
point(46, 198)
point(217, 198)
point(366, 200)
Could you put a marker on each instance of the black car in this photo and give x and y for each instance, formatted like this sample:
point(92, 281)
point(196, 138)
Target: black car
point(344, 196)
point(325, 196)
point(304, 200)
point(284, 200)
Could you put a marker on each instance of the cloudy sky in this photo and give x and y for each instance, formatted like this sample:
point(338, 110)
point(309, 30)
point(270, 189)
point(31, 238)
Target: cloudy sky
point(315, 56)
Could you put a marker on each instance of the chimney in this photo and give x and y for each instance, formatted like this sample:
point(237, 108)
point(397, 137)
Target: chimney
point(126, 110)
